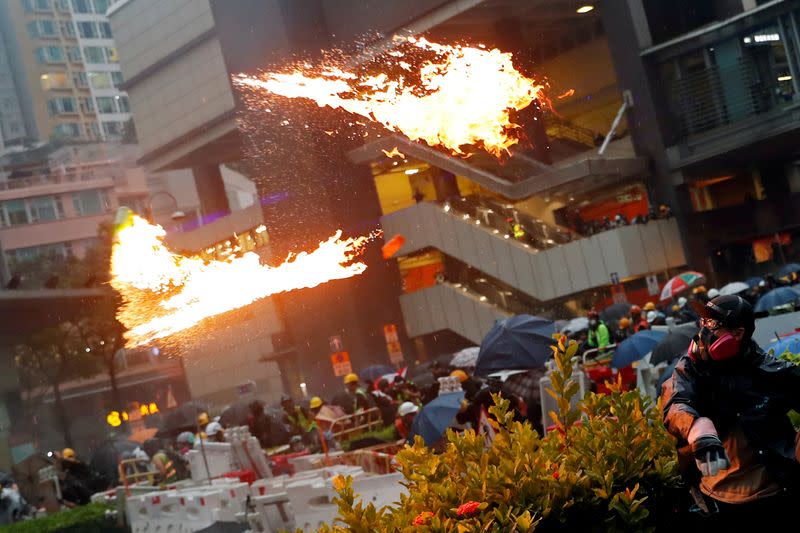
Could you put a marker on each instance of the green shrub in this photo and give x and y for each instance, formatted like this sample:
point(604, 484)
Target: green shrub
point(609, 466)
point(87, 519)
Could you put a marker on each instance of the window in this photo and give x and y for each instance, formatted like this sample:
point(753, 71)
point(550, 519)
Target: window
point(122, 102)
point(105, 30)
point(94, 54)
point(33, 253)
point(87, 105)
point(14, 213)
point(74, 53)
point(80, 80)
point(113, 129)
point(50, 54)
point(81, 6)
point(42, 28)
point(99, 80)
point(90, 202)
point(14, 127)
point(54, 80)
point(105, 104)
point(36, 5)
point(68, 129)
point(101, 6)
point(88, 30)
point(58, 106)
point(45, 208)
point(67, 29)
point(62, 5)
point(116, 78)
point(111, 53)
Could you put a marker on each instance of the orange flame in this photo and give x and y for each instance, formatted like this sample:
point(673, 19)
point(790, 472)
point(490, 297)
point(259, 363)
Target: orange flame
point(394, 152)
point(165, 293)
point(464, 97)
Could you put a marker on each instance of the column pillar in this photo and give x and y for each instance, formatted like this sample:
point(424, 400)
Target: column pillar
point(211, 191)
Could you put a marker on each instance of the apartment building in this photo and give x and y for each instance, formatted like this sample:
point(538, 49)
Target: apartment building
point(62, 62)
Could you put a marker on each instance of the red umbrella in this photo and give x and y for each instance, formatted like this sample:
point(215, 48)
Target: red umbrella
point(681, 283)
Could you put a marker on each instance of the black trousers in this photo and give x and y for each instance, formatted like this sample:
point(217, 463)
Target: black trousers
point(775, 513)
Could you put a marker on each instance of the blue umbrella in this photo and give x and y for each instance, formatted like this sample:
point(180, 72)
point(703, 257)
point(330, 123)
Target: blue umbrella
point(786, 270)
point(371, 373)
point(516, 343)
point(434, 419)
point(754, 281)
point(775, 298)
point(790, 343)
point(636, 346)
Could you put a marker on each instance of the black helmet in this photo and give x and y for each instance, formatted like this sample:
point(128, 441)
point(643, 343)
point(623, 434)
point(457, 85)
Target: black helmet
point(731, 311)
point(151, 446)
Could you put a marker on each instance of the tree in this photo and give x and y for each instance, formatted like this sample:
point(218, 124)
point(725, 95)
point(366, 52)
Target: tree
point(102, 334)
point(51, 357)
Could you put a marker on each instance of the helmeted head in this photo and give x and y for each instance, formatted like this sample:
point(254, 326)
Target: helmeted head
point(636, 311)
point(383, 385)
point(713, 293)
point(651, 317)
point(649, 306)
point(594, 318)
point(286, 402)
point(460, 374)
point(727, 324)
point(215, 432)
point(186, 439)
point(316, 403)
point(351, 381)
point(407, 411)
point(202, 419)
point(624, 323)
point(681, 301)
point(68, 453)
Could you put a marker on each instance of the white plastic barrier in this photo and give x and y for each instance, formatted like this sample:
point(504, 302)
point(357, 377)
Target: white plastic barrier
point(219, 456)
point(549, 403)
point(380, 491)
point(273, 514)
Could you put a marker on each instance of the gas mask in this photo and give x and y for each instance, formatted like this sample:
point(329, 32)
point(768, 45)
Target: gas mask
point(714, 347)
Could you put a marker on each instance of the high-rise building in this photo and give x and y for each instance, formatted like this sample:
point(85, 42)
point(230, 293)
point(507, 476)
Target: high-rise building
point(59, 73)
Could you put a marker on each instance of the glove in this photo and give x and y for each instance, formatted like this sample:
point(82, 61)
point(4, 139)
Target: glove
point(710, 455)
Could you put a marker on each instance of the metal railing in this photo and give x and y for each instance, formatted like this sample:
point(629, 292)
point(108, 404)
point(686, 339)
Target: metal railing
point(59, 178)
point(717, 96)
point(559, 128)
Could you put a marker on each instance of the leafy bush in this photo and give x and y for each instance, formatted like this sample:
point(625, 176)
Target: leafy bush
point(609, 466)
point(87, 519)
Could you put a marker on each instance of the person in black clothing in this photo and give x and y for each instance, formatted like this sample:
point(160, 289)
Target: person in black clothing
point(483, 401)
point(385, 402)
point(259, 423)
point(727, 404)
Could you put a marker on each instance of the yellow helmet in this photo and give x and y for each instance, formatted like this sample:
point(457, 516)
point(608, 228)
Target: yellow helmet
point(202, 418)
point(699, 290)
point(350, 378)
point(460, 374)
point(649, 306)
point(68, 453)
point(315, 402)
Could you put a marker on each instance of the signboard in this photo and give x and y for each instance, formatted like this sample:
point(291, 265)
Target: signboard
point(248, 387)
point(341, 364)
point(395, 352)
point(614, 278)
point(336, 344)
point(390, 333)
point(618, 294)
point(652, 285)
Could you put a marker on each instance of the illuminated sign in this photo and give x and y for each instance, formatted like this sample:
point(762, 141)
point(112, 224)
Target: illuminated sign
point(116, 418)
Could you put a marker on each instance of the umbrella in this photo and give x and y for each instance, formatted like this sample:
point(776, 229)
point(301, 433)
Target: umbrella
point(107, 455)
point(666, 375)
point(754, 281)
point(681, 283)
point(518, 342)
point(434, 419)
point(26, 475)
point(466, 357)
point(674, 344)
point(576, 325)
point(236, 414)
point(616, 311)
point(635, 347)
point(183, 418)
point(776, 298)
point(787, 270)
point(371, 373)
point(143, 434)
point(790, 343)
point(734, 288)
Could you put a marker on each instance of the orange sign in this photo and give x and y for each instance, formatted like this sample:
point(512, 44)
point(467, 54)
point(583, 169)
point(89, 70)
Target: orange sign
point(341, 364)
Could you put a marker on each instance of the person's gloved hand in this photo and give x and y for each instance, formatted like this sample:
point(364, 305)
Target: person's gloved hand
point(709, 453)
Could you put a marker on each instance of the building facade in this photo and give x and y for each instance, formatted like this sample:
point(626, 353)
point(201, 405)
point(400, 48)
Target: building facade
point(64, 69)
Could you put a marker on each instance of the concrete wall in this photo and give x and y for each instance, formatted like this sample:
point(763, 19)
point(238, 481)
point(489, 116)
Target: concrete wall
point(447, 307)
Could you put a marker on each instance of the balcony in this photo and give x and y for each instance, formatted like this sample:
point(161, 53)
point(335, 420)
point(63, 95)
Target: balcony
point(543, 274)
point(56, 183)
point(448, 306)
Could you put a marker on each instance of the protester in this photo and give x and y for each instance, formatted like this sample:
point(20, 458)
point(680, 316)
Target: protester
point(599, 336)
point(483, 400)
point(298, 419)
point(638, 320)
point(726, 403)
point(315, 405)
point(77, 483)
point(354, 397)
point(166, 469)
point(214, 432)
point(258, 423)
point(469, 385)
point(384, 402)
point(185, 442)
point(405, 419)
point(624, 329)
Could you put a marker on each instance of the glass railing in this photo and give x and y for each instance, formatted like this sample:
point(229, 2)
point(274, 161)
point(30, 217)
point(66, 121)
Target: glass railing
point(56, 178)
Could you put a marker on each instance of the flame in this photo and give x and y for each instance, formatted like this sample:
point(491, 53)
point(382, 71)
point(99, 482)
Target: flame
point(393, 152)
point(463, 97)
point(165, 293)
point(566, 94)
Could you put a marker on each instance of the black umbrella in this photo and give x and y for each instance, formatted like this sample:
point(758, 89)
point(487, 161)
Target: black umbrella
point(516, 343)
point(236, 414)
point(787, 270)
point(674, 344)
point(106, 457)
point(182, 418)
point(614, 312)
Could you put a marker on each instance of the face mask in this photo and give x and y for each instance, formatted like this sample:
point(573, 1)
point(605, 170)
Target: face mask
point(715, 348)
point(593, 323)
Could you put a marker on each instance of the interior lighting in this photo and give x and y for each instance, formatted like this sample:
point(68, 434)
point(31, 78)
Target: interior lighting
point(585, 9)
point(784, 78)
point(411, 171)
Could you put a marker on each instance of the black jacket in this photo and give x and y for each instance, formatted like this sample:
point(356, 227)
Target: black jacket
point(753, 391)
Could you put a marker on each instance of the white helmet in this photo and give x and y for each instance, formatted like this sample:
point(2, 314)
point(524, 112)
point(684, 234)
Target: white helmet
point(651, 316)
point(213, 428)
point(681, 301)
point(407, 408)
point(712, 293)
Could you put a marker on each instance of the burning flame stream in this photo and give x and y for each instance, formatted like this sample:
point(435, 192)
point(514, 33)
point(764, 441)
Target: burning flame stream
point(165, 293)
point(464, 97)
